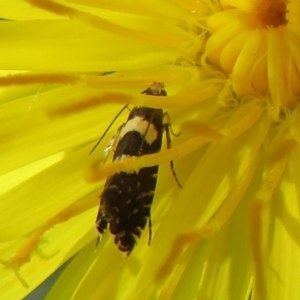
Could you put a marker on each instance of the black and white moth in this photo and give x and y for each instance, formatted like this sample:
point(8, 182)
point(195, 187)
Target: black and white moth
point(127, 197)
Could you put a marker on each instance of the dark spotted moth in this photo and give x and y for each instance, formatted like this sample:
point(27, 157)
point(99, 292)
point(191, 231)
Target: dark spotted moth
point(127, 197)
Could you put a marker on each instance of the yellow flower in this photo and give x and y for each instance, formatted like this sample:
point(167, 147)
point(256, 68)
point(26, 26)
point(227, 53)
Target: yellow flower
point(231, 70)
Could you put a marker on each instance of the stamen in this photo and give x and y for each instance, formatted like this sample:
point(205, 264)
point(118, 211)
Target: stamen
point(103, 24)
point(97, 171)
point(260, 212)
point(25, 79)
point(213, 225)
point(91, 102)
point(25, 251)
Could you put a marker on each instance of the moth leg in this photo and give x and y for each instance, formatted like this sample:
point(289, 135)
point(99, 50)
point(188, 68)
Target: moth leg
point(166, 117)
point(168, 130)
point(105, 132)
point(101, 224)
point(150, 230)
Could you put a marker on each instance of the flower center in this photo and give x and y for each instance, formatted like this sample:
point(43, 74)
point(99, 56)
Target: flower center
point(270, 13)
point(256, 44)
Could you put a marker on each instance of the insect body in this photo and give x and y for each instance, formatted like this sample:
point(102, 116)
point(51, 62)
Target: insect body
point(127, 197)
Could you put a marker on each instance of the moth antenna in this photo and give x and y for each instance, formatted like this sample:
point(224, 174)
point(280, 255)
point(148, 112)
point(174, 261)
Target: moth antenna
point(105, 132)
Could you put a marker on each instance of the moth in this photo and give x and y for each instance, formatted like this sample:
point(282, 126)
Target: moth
point(125, 205)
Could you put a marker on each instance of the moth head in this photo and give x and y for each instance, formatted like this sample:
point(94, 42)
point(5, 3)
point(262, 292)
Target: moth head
point(157, 87)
